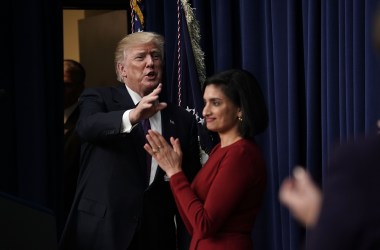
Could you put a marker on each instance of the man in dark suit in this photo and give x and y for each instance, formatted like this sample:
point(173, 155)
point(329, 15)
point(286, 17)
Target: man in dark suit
point(73, 82)
point(123, 199)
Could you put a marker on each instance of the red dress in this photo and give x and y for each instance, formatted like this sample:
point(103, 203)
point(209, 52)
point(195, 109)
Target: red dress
point(220, 206)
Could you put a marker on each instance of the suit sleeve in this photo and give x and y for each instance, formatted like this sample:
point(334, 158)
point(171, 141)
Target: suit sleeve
point(96, 121)
point(332, 228)
point(225, 194)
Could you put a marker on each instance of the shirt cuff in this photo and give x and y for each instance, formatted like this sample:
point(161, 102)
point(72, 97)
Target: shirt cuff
point(126, 126)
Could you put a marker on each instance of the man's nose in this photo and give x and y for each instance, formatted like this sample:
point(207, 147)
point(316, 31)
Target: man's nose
point(149, 60)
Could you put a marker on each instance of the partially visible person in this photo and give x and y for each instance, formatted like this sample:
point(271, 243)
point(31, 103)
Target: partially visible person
point(123, 200)
point(346, 214)
point(302, 196)
point(220, 206)
point(73, 83)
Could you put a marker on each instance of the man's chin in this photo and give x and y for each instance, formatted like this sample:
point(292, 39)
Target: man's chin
point(150, 87)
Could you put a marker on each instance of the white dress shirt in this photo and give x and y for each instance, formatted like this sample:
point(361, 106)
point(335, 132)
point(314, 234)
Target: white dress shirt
point(155, 124)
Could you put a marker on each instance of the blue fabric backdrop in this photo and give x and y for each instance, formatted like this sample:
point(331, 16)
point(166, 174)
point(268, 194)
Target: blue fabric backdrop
point(316, 63)
point(314, 60)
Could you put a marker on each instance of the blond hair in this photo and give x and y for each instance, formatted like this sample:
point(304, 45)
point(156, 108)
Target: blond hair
point(133, 40)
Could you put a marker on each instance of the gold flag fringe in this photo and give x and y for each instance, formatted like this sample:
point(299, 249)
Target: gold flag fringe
point(195, 36)
point(138, 11)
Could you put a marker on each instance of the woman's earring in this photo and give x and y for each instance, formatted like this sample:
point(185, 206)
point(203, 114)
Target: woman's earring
point(240, 118)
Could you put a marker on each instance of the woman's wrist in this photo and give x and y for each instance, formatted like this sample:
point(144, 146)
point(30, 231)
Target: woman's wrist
point(173, 172)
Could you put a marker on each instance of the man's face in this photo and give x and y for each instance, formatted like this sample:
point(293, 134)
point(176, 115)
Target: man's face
point(142, 68)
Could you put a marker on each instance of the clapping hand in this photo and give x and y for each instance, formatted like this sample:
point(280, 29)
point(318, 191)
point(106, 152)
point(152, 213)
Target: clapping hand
point(168, 157)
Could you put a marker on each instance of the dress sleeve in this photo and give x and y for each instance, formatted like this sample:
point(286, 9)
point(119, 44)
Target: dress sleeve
point(235, 176)
point(179, 181)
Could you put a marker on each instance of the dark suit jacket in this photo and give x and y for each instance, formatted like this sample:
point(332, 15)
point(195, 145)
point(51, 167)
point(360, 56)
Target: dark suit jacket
point(113, 199)
point(71, 161)
point(350, 215)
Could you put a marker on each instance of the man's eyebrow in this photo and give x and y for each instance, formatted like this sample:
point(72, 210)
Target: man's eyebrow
point(141, 52)
point(156, 52)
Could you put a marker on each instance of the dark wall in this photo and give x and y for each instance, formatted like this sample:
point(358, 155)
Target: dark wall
point(98, 57)
point(31, 98)
point(7, 146)
point(31, 102)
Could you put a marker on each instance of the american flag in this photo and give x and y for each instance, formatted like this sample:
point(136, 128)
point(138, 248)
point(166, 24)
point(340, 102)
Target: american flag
point(137, 15)
point(189, 71)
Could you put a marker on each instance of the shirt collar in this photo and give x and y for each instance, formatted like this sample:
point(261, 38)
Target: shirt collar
point(68, 111)
point(135, 97)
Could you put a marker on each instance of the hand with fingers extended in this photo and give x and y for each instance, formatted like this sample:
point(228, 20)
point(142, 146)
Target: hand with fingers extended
point(301, 195)
point(169, 158)
point(148, 106)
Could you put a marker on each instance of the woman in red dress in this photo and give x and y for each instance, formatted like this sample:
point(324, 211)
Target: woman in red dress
point(220, 206)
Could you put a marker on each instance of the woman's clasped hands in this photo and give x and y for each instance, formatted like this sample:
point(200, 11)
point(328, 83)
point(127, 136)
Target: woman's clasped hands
point(168, 157)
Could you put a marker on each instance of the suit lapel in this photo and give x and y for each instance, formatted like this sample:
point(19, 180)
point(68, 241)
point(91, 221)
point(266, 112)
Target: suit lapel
point(168, 130)
point(168, 124)
point(123, 101)
point(70, 124)
point(121, 97)
point(71, 121)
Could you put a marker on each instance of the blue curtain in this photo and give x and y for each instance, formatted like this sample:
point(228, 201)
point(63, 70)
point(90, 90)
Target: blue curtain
point(315, 61)
point(317, 66)
point(31, 102)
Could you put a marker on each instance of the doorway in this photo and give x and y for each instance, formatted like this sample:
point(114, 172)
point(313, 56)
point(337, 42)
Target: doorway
point(90, 37)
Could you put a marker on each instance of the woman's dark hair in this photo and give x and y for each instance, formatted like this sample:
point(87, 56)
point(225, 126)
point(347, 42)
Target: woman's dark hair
point(242, 88)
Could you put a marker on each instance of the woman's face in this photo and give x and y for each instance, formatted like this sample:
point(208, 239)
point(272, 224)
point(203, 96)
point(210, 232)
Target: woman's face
point(220, 114)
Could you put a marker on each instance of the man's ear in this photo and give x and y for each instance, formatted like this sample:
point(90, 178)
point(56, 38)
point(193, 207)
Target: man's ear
point(121, 68)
